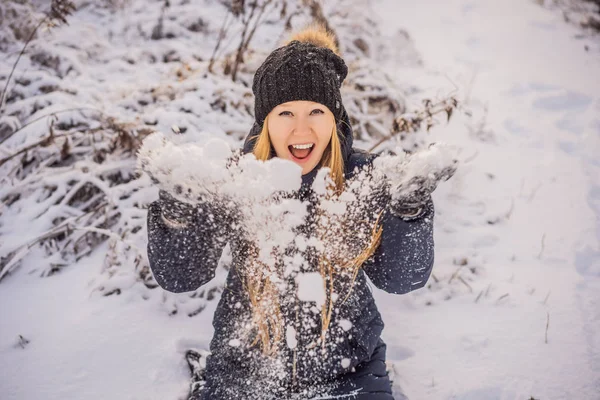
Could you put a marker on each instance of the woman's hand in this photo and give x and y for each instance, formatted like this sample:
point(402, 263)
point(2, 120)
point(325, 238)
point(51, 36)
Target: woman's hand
point(409, 199)
point(192, 173)
point(175, 213)
point(411, 178)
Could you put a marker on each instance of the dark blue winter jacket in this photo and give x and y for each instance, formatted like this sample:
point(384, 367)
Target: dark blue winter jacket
point(183, 259)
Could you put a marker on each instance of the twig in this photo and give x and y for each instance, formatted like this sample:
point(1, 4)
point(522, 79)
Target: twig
point(479, 296)
point(224, 27)
point(110, 234)
point(502, 297)
point(487, 291)
point(471, 158)
point(59, 11)
point(51, 138)
point(380, 141)
point(50, 115)
point(541, 250)
point(512, 207)
point(48, 139)
point(23, 341)
point(453, 275)
point(29, 39)
point(533, 192)
point(22, 250)
point(546, 299)
point(256, 24)
point(240, 50)
point(288, 22)
point(91, 212)
point(460, 278)
point(547, 325)
point(411, 122)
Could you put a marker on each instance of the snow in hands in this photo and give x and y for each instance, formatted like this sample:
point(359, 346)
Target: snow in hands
point(261, 193)
point(413, 177)
point(194, 174)
point(257, 192)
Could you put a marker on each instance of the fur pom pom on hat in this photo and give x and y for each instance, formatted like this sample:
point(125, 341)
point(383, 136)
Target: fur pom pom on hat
point(308, 67)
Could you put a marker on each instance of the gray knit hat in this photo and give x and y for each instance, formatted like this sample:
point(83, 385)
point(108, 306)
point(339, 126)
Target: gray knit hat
point(299, 71)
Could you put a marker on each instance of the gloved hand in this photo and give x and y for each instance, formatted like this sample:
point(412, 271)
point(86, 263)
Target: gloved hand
point(411, 190)
point(175, 212)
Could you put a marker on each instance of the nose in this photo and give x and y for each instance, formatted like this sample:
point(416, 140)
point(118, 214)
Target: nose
point(302, 126)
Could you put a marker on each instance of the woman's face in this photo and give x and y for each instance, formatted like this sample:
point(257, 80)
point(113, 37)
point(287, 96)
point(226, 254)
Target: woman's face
point(300, 131)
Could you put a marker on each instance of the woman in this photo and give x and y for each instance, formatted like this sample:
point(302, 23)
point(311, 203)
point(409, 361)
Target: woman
point(271, 343)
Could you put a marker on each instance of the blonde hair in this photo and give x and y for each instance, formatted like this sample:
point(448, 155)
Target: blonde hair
point(263, 295)
point(264, 298)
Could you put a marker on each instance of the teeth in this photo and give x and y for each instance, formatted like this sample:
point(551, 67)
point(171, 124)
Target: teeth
point(302, 146)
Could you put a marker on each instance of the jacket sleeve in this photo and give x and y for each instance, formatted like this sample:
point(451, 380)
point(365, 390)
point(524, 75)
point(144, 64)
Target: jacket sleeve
point(404, 259)
point(184, 258)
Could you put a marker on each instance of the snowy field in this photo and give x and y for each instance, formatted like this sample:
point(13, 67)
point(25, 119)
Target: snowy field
point(512, 310)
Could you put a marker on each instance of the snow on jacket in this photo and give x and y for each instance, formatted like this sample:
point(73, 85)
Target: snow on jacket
point(183, 259)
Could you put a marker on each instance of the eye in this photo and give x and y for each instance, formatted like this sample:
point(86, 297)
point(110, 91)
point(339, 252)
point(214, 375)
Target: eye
point(317, 111)
point(285, 113)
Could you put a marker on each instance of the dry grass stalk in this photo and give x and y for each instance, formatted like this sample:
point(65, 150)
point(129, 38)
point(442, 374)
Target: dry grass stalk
point(222, 34)
point(455, 274)
point(460, 278)
point(248, 34)
point(413, 122)
point(505, 295)
point(68, 173)
point(59, 11)
point(478, 296)
point(542, 246)
point(546, 298)
point(547, 326)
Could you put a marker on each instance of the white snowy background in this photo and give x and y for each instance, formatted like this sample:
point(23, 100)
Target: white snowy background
point(512, 310)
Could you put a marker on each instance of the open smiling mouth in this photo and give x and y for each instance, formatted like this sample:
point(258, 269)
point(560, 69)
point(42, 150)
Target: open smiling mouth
point(301, 152)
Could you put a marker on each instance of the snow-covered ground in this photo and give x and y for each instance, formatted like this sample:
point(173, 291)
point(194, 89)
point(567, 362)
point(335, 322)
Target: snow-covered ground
point(535, 168)
point(513, 309)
